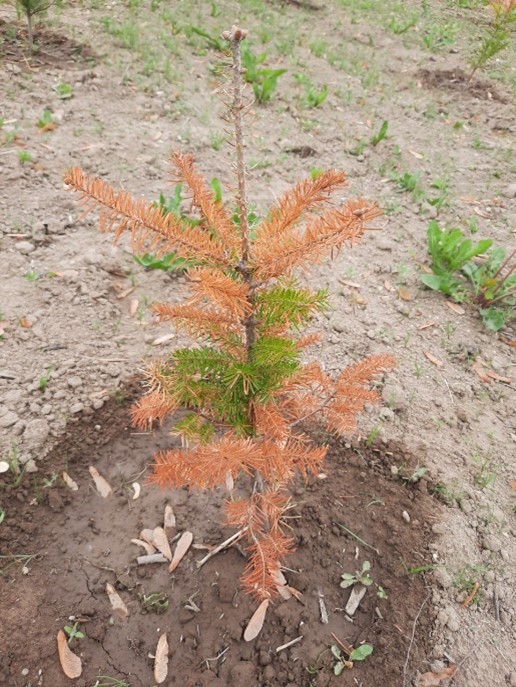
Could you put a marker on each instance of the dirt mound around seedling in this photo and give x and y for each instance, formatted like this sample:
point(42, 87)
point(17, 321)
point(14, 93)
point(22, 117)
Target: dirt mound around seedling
point(457, 81)
point(358, 511)
point(54, 49)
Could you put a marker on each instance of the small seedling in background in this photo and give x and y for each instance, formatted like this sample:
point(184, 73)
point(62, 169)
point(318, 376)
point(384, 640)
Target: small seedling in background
point(46, 122)
point(2, 515)
point(48, 482)
point(73, 632)
point(263, 81)
point(43, 381)
point(31, 8)
point(380, 592)
point(498, 35)
point(108, 681)
point(313, 96)
point(31, 276)
point(64, 91)
point(213, 42)
point(358, 654)
point(156, 602)
point(24, 156)
point(349, 580)
point(375, 140)
point(439, 201)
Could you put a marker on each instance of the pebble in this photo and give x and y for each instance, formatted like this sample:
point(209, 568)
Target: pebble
point(36, 433)
point(510, 191)
point(340, 325)
point(384, 244)
point(443, 578)
point(492, 543)
point(8, 419)
point(74, 382)
point(453, 622)
point(25, 247)
point(405, 516)
point(76, 408)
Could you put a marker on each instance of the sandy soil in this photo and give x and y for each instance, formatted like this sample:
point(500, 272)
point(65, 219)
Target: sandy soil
point(74, 309)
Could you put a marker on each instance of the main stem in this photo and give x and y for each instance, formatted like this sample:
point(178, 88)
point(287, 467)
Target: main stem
point(235, 37)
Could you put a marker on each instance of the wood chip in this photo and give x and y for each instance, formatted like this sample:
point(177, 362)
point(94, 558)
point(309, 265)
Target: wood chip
point(70, 663)
point(160, 541)
point(70, 483)
point(346, 282)
point(169, 520)
point(254, 626)
point(125, 292)
point(137, 489)
point(149, 549)
point(133, 307)
point(163, 339)
point(435, 361)
point(426, 325)
point(182, 546)
point(356, 596)
point(161, 660)
point(498, 378)
point(436, 679)
point(418, 156)
point(151, 558)
point(25, 322)
point(117, 604)
point(455, 307)
point(405, 294)
point(102, 485)
point(289, 644)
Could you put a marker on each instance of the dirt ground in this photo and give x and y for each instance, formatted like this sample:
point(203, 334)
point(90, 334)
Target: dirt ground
point(126, 84)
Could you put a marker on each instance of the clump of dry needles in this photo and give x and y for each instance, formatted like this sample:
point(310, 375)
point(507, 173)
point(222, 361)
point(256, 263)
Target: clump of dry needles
point(244, 384)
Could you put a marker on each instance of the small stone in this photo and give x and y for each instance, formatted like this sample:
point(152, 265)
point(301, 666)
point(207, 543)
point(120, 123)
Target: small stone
point(36, 433)
point(8, 419)
point(387, 413)
point(453, 622)
point(510, 191)
point(384, 244)
point(371, 334)
point(340, 325)
point(74, 382)
point(437, 666)
point(97, 403)
point(25, 247)
point(442, 618)
point(443, 578)
point(405, 516)
point(77, 408)
point(492, 543)
point(25, 672)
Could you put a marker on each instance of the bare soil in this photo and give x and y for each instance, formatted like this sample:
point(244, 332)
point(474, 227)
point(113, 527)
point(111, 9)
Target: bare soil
point(75, 326)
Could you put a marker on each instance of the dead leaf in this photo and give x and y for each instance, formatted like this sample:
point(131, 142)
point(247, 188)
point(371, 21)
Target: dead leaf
point(161, 660)
point(160, 541)
point(169, 520)
point(24, 322)
point(133, 307)
point(507, 342)
point(425, 269)
point(70, 663)
point(405, 294)
point(103, 486)
point(163, 339)
point(137, 489)
point(117, 603)
point(182, 546)
point(70, 483)
point(255, 625)
point(426, 325)
point(148, 535)
point(388, 286)
point(435, 361)
point(455, 307)
point(149, 548)
point(436, 679)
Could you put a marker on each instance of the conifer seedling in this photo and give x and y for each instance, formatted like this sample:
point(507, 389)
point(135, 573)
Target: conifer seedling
point(246, 389)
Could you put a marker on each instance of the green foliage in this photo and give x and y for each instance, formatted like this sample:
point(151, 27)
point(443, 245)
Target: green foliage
point(213, 42)
point(64, 91)
point(496, 38)
point(263, 81)
point(45, 121)
point(287, 303)
point(313, 96)
point(360, 577)
point(375, 140)
point(493, 282)
point(359, 654)
point(73, 632)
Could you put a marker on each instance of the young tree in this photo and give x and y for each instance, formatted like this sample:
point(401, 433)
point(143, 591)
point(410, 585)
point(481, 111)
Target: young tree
point(245, 385)
point(31, 8)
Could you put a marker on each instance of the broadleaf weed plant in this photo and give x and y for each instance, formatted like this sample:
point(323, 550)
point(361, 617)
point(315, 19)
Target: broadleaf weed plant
point(246, 389)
